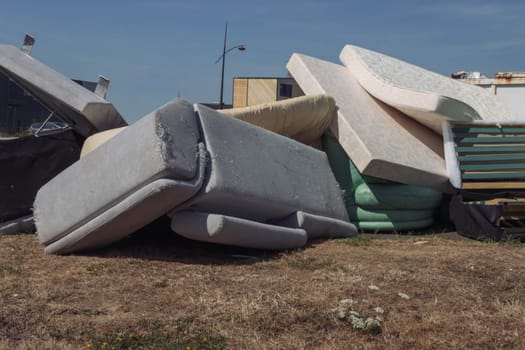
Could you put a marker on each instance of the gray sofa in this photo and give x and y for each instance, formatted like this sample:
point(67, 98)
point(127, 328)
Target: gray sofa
point(220, 179)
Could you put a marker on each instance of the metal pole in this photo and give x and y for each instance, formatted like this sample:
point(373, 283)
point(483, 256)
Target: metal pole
point(223, 58)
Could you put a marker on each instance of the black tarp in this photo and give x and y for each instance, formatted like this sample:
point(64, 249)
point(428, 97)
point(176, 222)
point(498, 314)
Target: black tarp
point(474, 219)
point(27, 163)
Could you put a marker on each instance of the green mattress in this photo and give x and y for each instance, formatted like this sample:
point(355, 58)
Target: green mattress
point(375, 204)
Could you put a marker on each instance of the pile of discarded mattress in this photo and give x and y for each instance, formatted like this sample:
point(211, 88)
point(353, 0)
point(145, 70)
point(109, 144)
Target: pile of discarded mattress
point(250, 177)
point(386, 145)
point(220, 179)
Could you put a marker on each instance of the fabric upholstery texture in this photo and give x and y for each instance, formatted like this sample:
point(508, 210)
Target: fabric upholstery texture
point(136, 157)
point(260, 175)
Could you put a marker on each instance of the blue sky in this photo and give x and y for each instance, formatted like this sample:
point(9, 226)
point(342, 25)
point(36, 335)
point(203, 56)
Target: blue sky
point(155, 50)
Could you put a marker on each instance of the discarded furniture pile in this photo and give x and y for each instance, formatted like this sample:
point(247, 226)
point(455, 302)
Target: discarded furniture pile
point(199, 167)
point(373, 146)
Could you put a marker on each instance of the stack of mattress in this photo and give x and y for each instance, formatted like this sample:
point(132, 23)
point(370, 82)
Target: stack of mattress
point(386, 149)
point(221, 180)
point(381, 141)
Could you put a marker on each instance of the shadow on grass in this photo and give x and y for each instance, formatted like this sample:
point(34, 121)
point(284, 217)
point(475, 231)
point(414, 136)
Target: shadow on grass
point(157, 241)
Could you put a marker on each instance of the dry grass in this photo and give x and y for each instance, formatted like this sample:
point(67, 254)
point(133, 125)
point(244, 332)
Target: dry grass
point(156, 290)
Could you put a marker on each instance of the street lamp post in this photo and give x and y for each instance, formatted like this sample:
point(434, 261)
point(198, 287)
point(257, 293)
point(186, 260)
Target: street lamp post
point(223, 58)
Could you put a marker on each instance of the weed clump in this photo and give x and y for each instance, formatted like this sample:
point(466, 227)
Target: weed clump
point(347, 311)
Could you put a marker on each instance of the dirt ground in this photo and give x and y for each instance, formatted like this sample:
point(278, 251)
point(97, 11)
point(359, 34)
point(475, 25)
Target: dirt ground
point(156, 290)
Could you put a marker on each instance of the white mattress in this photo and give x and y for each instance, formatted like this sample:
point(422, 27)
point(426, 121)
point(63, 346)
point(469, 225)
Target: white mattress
point(380, 140)
point(428, 97)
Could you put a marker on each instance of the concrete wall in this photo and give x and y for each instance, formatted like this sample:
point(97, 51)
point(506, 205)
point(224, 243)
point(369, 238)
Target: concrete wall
point(514, 97)
point(510, 91)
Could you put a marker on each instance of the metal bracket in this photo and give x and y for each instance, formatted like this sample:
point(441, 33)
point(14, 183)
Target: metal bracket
point(102, 86)
point(37, 133)
point(29, 41)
